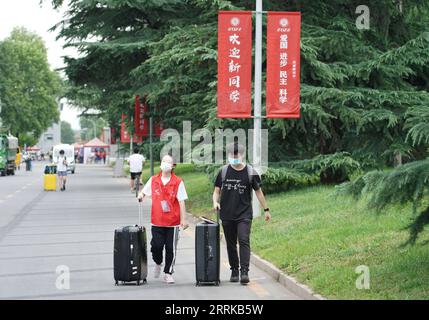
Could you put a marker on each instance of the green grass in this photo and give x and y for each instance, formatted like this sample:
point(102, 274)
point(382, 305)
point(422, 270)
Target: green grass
point(321, 239)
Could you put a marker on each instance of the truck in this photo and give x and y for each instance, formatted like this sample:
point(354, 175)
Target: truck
point(8, 149)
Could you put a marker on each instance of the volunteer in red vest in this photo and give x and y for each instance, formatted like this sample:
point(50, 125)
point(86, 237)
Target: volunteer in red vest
point(168, 214)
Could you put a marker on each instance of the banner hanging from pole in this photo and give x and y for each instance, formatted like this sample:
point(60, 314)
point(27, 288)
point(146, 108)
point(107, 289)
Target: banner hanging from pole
point(283, 64)
point(141, 124)
point(125, 136)
point(234, 91)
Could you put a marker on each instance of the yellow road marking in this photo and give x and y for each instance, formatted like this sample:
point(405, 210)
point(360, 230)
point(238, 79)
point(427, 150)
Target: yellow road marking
point(258, 289)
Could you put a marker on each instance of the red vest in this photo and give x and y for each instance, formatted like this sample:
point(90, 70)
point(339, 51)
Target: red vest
point(169, 194)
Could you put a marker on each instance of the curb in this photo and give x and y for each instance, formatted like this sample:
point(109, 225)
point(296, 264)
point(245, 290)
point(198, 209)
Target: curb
point(285, 280)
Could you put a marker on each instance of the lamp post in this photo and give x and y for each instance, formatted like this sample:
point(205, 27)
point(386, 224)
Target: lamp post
point(257, 116)
point(95, 127)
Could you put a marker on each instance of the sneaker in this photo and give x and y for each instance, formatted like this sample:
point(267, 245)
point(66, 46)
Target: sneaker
point(244, 277)
point(234, 275)
point(157, 271)
point(168, 278)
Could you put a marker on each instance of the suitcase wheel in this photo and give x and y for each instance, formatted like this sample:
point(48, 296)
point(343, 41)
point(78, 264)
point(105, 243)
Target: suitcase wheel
point(138, 282)
point(197, 284)
point(116, 283)
point(144, 280)
point(217, 283)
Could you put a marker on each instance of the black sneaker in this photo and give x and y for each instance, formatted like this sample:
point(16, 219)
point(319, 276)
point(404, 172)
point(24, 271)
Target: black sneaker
point(234, 275)
point(244, 277)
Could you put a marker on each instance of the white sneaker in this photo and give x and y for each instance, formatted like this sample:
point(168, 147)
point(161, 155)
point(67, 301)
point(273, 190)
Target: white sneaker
point(157, 271)
point(168, 278)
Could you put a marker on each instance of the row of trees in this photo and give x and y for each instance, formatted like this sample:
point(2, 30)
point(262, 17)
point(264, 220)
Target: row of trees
point(364, 92)
point(29, 89)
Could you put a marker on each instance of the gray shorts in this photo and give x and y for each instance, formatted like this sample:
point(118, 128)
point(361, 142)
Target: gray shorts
point(62, 173)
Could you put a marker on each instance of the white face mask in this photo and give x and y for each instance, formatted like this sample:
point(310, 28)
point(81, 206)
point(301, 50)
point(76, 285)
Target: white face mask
point(166, 167)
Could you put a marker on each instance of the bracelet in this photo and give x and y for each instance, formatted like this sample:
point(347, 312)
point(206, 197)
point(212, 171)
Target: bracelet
point(266, 209)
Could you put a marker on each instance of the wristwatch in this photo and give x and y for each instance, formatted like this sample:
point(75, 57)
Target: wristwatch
point(266, 209)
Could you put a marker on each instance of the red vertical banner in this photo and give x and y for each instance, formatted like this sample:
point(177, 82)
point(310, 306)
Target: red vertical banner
point(158, 129)
point(141, 124)
point(125, 135)
point(234, 91)
point(112, 135)
point(283, 64)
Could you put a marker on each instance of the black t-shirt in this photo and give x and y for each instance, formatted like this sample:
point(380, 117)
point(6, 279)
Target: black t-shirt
point(236, 194)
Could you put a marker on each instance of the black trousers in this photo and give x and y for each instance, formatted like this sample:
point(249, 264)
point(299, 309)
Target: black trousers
point(165, 237)
point(238, 230)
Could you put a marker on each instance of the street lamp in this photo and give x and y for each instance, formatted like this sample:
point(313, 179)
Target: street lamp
point(95, 127)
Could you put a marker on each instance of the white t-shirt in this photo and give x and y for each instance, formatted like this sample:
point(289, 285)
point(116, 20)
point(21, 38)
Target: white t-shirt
point(61, 167)
point(136, 163)
point(181, 192)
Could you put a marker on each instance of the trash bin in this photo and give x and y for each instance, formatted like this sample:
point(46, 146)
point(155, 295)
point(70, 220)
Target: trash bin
point(50, 178)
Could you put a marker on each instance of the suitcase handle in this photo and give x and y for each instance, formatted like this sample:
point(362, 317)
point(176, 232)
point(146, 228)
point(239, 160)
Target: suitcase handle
point(140, 212)
point(217, 215)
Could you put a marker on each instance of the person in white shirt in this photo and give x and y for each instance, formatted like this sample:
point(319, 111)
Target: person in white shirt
point(168, 213)
point(62, 162)
point(136, 161)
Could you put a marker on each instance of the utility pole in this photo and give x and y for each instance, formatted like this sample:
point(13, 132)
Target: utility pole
point(257, 107)
point(150, 145)
point(131, 137)
point(95, 127)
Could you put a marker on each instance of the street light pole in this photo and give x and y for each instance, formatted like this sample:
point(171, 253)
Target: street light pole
point(257, 107)
point(95, 128)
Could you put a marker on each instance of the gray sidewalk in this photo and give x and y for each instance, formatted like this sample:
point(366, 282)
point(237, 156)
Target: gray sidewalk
point(75, 229)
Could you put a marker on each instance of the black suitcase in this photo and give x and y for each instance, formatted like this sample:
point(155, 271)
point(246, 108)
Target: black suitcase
point(130, 253)
point(207, 252)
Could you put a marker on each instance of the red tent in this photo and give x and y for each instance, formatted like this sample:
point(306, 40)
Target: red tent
point(96, 143)
point(34, 148)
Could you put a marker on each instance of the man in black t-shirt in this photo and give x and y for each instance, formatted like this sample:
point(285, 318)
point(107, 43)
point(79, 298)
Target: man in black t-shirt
point(233, 185)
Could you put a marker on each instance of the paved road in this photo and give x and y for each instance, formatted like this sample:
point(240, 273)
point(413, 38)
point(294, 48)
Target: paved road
point(40, 231)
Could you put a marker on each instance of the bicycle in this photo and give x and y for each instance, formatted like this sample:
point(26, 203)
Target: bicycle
point(137, 184)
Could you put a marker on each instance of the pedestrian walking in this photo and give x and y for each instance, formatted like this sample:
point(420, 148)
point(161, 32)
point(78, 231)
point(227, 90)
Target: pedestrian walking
point(62, 164)
point(233, 186)
point(168, 214)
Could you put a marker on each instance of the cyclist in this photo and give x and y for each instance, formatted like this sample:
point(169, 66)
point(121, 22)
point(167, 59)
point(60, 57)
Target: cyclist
point(136, 167)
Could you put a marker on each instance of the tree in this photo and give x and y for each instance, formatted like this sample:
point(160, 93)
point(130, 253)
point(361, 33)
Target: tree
point(67, 133)
point(28, 87)
point(87, 127)
point(356, 85)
